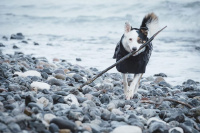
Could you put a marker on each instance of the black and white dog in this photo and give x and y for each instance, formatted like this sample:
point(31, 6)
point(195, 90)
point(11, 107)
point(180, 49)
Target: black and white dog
point(131, 40)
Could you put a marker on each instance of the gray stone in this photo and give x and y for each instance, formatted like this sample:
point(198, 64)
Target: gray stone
point(14, 127)
point(56, 82)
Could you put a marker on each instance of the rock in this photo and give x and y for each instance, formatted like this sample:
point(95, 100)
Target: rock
point(49, 117)
point(161, 74)
point(38, 126)
point(117, 112)
point(14, 127)
point(188, 129)
point(44, 75)
point(28, 73)
point(40, 85)
point(43, 101)
point(86, 89)
point(59, 71)
point(35, 43)
point(115, 124)
point(13, 87)
point(56, 82)
point(158, 80)
point(176, 130)
point(71, 99)
point(5, 38)
point(53, 128)
point(153, 119)
point(15, 47)
point(127, 129)
point(64, 131)
point(58, 99)
point(24, 42)
point(64, 124)
point(29, 99)
point(18, 36)
point(78, 59)
point(4, 128)
point(1, 45)
point(60, 76)
point(180, 117)
point(77, 77)
point(39, 106)
point(76, 115)
point(195, 111)
point(105, 99)
point(164, 84)
point(147, 113)
point(48, 71)
point(158, 127)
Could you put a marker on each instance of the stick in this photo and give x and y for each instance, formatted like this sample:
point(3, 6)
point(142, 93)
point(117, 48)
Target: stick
point(122, 59)
point(166, 99)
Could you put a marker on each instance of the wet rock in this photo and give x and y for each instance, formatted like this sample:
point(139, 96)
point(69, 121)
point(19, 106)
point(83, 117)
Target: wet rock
point(29, 99)
point(58, 99)
point(56, 82)
point(53, 128)
point(161, 74)
point(48, 71)
point(78, 59)
point(14, 127)
point(44, 75)
point(158, 127)
point(18, 36)
point(35, 43)
point(15, 47)
point(105, 99)
point(1, 45)
point(5, 38)
point(64, 124)
point(77, 77)
point(25, 42)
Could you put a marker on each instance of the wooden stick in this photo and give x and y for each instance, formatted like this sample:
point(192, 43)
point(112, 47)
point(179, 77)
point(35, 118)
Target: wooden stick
point(122, 59)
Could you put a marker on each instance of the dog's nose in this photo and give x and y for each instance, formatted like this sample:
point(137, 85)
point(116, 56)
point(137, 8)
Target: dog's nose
point(134, 48)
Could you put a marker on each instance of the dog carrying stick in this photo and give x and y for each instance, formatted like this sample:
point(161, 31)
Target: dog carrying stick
point(121, 60)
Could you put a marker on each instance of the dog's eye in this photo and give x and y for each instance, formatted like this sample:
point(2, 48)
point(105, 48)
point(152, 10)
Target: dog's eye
point(130, 39)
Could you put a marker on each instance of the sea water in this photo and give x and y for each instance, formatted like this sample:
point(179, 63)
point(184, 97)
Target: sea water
point(90, 30)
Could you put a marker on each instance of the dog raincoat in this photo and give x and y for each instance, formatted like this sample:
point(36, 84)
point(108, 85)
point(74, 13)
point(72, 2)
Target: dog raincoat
point(134, 64)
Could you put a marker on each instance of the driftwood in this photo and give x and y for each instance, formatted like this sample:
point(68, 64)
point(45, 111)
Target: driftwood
point(158, 101)
point(121, 60)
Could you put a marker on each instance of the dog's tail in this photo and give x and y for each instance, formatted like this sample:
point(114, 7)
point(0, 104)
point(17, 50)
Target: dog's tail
point(150, 22)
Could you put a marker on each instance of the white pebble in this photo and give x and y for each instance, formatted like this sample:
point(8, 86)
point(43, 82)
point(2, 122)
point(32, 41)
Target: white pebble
point(71, 99)
point(28, 73)
point(49, 117)
point(40, 85)
point(177, 129)
point(155, 119)
point(43, 101)
point(127, 129)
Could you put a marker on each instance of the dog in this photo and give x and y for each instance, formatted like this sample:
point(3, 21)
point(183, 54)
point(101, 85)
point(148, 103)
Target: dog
point(131, 40)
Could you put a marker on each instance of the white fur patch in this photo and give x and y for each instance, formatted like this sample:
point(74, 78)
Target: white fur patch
point(28, 73)
point(40, 85)
point(127, 129)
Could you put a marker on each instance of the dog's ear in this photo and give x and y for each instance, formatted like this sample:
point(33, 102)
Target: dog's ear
point(127, 27)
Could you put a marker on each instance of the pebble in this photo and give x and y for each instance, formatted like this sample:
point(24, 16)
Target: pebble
point(40, 85)
point(18, 36)
point(127, 129)
point(49, 117)
point(71, 99)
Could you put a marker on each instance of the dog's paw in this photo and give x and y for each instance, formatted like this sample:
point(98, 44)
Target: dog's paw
point(129, 94)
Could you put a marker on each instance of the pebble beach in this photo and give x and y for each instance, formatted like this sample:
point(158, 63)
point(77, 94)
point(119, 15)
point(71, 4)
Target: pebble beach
point(38, 96)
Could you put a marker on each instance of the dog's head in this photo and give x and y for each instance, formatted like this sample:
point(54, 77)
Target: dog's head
point(134, 38)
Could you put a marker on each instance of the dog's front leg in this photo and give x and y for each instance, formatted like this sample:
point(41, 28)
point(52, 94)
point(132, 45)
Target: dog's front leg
point(125, 83)
point(133, 87)
point(138, 83)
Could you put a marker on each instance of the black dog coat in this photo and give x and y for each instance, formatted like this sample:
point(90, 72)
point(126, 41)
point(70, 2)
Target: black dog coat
point(134, 64)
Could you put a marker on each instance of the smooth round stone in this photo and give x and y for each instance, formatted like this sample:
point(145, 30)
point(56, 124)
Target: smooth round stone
point(14, 127)
point(56, 82)
point(176, 130)
point(18, 36)
point(127, 129)
point(117, 112)
point(48, 71)
point(161, 74)
point(29, 99)
point(60, 76)
point(44, 75)
point(49, 117)
point(43, 101)
point(59, 71)
point(71, 99)
point(105, 99)
point(40, 85)
point(115, 124)
point(77, 77)
point(76, 115)
point(53, 128)
point(13, 87)
point(156, 126)
point(64, 124)
point(39, 106)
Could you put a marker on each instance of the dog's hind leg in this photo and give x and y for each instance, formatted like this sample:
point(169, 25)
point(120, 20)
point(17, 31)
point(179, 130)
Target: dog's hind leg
point(133, 87)
point(125, 83)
